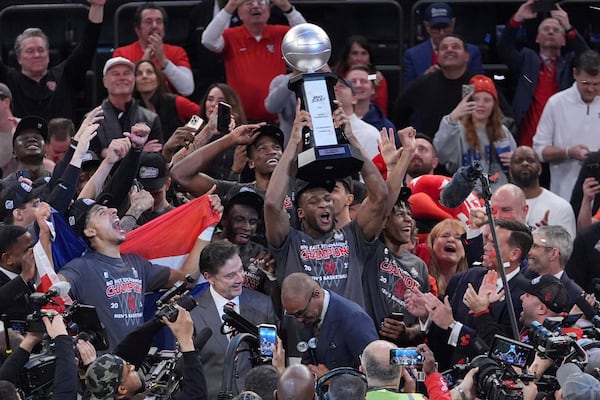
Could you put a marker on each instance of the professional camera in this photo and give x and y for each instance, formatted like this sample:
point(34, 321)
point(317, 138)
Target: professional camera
point(496, 381)
point(554, 347)
point(164, 307)
point(81, 321)
point(162, 378)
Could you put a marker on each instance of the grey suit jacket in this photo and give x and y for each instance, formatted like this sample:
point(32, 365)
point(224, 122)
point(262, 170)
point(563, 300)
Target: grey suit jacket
point(255, 307)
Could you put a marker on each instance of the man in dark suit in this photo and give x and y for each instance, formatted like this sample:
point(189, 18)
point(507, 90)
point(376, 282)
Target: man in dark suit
point(421, 59)
point(551, 249)
point(17, 269)
point(222, 267)
point(455, 325)
point(341, 327)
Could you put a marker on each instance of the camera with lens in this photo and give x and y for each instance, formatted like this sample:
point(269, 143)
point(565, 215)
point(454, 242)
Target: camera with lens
point(496, 380)
point(162, 378)
point(554, 347)
point(81, 321)
point(166, 308)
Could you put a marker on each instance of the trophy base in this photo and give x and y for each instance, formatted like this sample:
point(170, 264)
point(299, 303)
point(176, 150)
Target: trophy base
point(329, 162)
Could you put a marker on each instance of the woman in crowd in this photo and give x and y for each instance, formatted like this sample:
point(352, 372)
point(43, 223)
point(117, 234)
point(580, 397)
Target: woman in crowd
point(357, 51)
point(173, 110)
point(474, 131)
point(447, 252)
point(221, 168)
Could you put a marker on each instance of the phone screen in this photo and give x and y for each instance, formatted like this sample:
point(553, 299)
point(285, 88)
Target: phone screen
point(510, 351)
point(405, 357)
point(267, 336)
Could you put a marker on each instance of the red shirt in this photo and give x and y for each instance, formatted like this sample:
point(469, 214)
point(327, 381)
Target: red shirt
point(134, 53)
point(545, 88)
point(250, 66)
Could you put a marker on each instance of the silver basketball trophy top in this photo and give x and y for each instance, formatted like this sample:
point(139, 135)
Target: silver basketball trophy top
point(327, 154)
point(306, 48)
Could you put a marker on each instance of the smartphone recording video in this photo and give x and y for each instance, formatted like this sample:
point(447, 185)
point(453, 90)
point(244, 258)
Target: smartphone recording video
point(195, 123)
point(467, 90)
point(267, 336)
point(406, 357)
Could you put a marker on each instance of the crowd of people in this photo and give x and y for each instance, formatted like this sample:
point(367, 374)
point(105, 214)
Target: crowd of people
point(348, 269)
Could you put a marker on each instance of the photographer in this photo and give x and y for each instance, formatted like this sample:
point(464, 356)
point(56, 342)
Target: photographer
point(65, 373)
point(112, 377)
point(437, 387)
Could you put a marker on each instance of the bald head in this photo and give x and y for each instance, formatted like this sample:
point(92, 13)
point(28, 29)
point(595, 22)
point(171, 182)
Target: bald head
point(375, 363)
point(296, 383)
point(509, 202)
point(298, 286)
point(302, 298)
point(525, 167)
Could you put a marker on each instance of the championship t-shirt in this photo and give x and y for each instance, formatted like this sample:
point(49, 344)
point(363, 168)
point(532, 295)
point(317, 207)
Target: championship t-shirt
point(335, 260)
point(116, 287)
point(386, 283)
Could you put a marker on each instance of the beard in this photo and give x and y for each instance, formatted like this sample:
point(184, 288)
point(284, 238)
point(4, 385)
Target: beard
point(525, 180)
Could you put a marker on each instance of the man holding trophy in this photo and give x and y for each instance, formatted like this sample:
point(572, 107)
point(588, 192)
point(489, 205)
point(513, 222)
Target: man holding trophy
point(324, 148)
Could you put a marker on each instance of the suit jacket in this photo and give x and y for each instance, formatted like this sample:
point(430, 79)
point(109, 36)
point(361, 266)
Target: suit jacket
point(418, 58)
point(345, 331)
point(524, 64)
point(496, 321)
point(255, 307)
point(458, 286)
point(14, 297)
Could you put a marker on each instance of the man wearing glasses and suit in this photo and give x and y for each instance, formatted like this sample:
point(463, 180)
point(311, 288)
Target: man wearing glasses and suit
point(342, 329)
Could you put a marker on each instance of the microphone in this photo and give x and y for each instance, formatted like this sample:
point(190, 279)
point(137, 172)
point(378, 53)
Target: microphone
point(461, 185)
point(202, 337)
point(588, 310)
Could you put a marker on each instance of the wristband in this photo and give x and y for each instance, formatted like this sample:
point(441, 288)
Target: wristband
point(130, 216)
point(289, 11)
point(567, 153)
point(571, 29)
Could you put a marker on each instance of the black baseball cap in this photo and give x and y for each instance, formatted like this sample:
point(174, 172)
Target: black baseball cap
point(153, 172)
point(15, 194)
point(34, 123)
point(270, 130)
point(78, 214)
point(246, 195)
point(302, 186)
point(548, 289)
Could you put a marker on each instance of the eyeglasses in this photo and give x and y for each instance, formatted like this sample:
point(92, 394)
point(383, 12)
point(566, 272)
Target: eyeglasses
point(301, 313)
point(541, 246)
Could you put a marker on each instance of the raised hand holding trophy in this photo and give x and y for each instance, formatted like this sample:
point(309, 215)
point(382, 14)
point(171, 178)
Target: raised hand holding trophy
point(327, 154)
